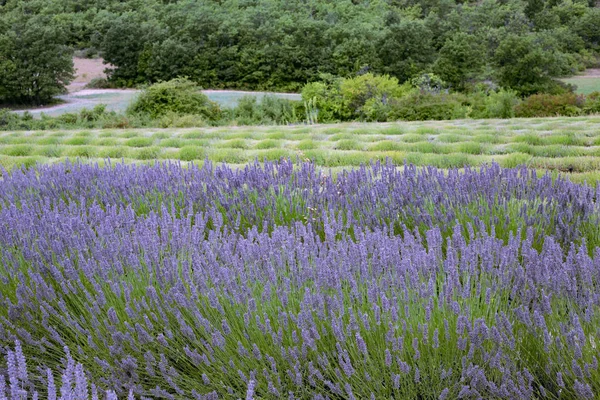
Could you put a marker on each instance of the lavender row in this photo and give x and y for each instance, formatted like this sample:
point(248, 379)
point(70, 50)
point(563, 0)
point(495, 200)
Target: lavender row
point(181, 301)
point(376, 197)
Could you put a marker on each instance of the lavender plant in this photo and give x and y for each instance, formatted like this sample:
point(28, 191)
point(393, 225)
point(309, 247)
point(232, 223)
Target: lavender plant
point(279, 280)
point(20, 384)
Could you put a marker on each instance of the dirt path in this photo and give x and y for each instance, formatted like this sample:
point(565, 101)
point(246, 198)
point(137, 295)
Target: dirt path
point(79, 97)
point(86, 69)
point(590, 73)
point(119, 99)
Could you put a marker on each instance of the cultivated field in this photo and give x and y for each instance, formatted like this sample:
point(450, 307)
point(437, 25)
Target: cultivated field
point(569, 145)
point(180, 281)
point(279, 281)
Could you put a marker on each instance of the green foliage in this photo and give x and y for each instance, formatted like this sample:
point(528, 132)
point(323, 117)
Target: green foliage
point(191, 153)
point(406, 49)
point(592, 103)
point(422, 106)
point(365, 95)
point(586, 27)
point(501, 104)
point(275, 45)
point(35, 64)
point(459, 60)
point(99, 83)
point(270, 110)
point(547, 105)
point(324, 99)
point(430, 83)
point(179, 96)
point(528, 63)
point(496, 104)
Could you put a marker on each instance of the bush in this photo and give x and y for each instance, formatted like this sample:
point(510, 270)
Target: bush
point(8, 119)
point(174, 120)
point(592, 103)
point(327, 99)
point(179, 96)
point(94, 114)
point(430, 83)
point(422, 106)
point(365, 97)
point(496, 104)
point(270, 110)
point(548, 105)
point(501, 104)
point(366, 94)
point(99, 83)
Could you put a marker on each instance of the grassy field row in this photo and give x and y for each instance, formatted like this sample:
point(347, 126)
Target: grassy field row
point(570, 145)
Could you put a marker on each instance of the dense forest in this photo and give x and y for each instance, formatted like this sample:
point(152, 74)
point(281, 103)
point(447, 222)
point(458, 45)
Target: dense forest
point(283, 44)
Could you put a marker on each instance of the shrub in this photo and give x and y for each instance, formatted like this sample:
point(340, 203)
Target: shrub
point(348, 144)
point(147, 153)
point(179, 96)
point(422, 106)
point(430, 83)
point(94, 114)
point(68, 118)
point(366, 94)
point(307, 144)
point(19, 150)
point(82, 152)
point(495, 104)
point(139, 142)
point(326, 99)
point(191, 153)
point(99, 83)
point(116, 122)
point(548, 105)
point(8, 119)
point(501, 104)
point(592, 103)
point(270, 110)
point(266, 144)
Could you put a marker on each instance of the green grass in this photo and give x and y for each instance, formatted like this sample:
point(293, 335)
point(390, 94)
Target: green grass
point(560, 145)
point(585, 85)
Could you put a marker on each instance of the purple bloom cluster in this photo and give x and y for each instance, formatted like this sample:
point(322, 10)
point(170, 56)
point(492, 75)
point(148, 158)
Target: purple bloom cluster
point(281, 281)
point(74, 381)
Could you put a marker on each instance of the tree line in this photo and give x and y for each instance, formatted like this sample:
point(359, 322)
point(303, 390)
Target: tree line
point(283, 44)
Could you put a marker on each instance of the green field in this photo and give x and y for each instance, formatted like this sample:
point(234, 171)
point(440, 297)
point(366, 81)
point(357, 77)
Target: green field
point(585, 85)
point(569, 145)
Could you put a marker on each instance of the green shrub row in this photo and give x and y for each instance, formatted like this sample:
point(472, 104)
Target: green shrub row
point(180, 104)
point(381, 98)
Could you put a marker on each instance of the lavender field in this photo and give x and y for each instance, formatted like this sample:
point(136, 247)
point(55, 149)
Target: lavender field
point(280, 280)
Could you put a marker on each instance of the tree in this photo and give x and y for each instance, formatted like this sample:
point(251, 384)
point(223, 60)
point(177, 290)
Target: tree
point(35, 64)
point(127, 45)
point(406, 49)
point(527, 64)
point(460, 59)
point(587, 27)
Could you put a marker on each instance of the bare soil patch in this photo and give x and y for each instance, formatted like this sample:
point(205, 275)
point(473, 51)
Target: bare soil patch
point(590, 73)
point(86, 69)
